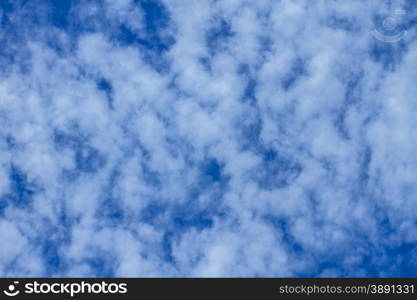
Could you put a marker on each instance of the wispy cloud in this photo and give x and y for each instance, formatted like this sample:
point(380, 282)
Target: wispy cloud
point(207, 138)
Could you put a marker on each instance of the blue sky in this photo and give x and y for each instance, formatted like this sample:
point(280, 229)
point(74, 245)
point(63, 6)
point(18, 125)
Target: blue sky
point(208, 138)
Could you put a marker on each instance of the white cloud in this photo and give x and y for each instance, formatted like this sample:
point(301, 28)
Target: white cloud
point(290, 145)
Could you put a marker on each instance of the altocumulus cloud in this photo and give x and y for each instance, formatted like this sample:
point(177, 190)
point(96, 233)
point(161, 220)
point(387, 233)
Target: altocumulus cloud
point(207, 138)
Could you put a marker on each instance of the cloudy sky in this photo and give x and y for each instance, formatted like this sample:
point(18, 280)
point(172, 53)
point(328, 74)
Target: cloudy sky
point(181, 138)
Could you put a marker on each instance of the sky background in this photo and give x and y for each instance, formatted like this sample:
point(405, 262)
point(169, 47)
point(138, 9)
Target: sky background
point(180, 138)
